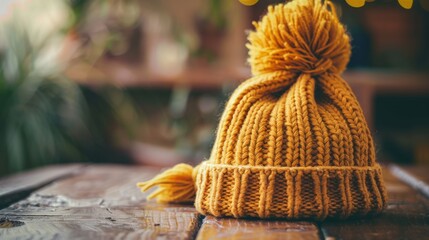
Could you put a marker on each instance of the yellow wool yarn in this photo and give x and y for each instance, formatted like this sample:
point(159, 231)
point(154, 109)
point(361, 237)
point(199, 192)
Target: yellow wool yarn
point(175, 185)
point(292, 142)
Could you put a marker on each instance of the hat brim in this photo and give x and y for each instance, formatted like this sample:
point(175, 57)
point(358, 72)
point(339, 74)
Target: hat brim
point(315, 192)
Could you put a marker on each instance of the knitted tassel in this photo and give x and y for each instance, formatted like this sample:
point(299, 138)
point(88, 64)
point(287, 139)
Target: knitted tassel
point(175, 185)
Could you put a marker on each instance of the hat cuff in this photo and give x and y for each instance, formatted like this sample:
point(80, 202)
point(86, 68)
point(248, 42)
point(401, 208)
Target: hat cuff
point(313, 192)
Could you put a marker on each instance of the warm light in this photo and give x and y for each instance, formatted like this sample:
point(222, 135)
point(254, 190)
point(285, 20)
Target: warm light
point(248, 2)
point(356, 3)
point(407, 4)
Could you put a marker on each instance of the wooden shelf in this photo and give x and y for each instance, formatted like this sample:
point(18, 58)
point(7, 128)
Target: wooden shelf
point(368, 84)
point(216, 76)
point(201, 76)
point(390, 82)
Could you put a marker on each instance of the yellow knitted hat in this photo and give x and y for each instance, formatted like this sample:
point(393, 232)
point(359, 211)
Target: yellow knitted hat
point(292, 141)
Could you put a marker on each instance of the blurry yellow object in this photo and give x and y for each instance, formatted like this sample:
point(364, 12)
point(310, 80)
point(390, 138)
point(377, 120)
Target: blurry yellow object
point(356, 3)
point(248, 2)
point(407, 4)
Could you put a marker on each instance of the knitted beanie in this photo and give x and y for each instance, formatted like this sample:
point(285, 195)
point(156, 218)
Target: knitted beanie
point(292, 142)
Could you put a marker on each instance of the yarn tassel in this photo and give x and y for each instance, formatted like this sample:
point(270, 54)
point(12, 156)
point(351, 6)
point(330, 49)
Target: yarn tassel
point(174, 185)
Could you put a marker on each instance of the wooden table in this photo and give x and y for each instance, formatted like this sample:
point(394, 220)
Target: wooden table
point(102, 202)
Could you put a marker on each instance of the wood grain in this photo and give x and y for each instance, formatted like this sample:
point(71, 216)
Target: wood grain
point(102, 202)
point(99, 223)
point(106, 185)
point(16, 187)
point(227, 228)
point(406, 217)
point(416, 177)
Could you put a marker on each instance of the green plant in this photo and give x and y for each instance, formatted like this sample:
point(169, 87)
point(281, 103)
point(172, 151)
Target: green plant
point(44, 116)
point(38, 106)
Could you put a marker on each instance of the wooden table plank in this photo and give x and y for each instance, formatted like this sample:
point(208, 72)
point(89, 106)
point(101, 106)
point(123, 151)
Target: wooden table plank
point(228, 228)
point(19, 186)
point(416, 177)
point(102, 202)
point(106, 185)
point(97, 223)
point(406, 217)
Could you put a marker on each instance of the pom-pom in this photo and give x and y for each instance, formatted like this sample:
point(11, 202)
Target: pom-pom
point(302, 36)
point(175, 185)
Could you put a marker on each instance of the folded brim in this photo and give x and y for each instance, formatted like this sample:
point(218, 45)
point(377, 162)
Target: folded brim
point(289, 192)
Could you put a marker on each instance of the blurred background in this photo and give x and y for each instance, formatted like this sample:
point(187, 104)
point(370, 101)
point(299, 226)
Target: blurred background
point(145, 82)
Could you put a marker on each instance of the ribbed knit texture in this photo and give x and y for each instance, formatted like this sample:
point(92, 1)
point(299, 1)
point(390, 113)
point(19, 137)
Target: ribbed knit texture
point(292, 141)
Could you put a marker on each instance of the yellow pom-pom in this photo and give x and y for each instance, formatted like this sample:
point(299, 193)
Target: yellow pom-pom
point(175, 185)
point(302, 36)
